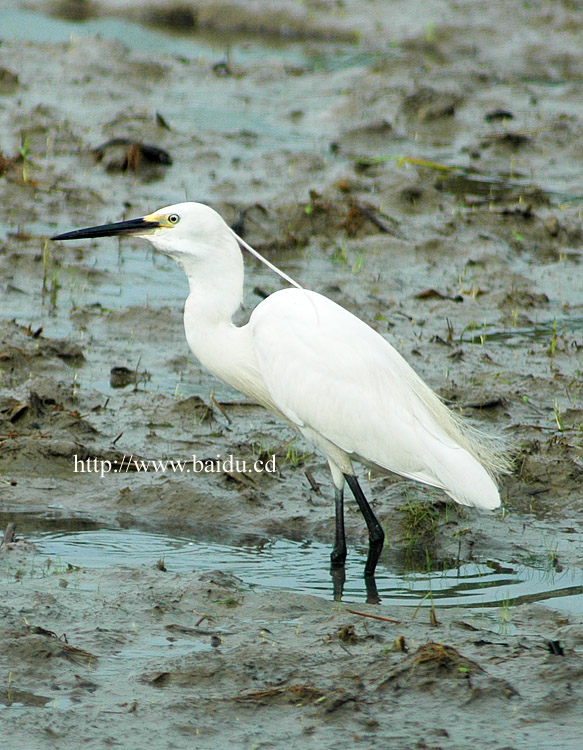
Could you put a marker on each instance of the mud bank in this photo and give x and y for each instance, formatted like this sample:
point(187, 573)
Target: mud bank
point(422, 169)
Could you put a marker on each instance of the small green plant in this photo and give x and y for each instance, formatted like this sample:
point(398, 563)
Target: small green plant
point(473, 327)
point(259, 447)
point(575, 387)
point(295, 457)
point(505, 614)
point(419, 522)
point(26, 161)
point(430, 32)
point(517, 236)
point(25, 149)
point(553, 343)
point(550, 560)
point(558, 416)
point(340, 256)
point(54, 291)
point(46, 253)
point(229, 602)
point(358, 264)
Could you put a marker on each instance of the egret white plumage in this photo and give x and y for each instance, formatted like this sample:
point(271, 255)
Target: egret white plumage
point(320, 368)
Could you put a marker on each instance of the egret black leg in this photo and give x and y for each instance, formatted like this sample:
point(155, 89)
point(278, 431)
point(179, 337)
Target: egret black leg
point(376, 535)
point(338, 556)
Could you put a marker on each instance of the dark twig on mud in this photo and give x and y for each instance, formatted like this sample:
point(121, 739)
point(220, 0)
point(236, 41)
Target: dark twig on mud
point(371, 214)
point(296, 692)
point(374, 617)
point(74, 654)
point(223, 411)
point(313, 484)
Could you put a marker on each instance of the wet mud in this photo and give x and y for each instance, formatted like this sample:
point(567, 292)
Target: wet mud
point(421, 167)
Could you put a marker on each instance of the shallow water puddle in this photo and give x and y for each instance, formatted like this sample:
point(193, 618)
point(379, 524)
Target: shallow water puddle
point(303, 567)
point(26, 25)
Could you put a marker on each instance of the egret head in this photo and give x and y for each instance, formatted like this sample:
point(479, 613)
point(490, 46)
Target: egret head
point(183, 230)
point(193, 234)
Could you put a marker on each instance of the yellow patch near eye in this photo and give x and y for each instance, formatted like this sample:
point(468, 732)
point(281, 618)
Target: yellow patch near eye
point(160, 219)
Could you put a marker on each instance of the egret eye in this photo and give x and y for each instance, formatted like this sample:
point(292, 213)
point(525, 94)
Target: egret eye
point(173, 219)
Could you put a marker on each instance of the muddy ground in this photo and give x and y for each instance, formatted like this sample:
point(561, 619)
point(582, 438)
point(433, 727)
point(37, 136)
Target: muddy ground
point(420, 164)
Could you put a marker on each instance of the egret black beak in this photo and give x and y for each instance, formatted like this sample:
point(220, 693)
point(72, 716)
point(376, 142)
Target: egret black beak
point(133, 226)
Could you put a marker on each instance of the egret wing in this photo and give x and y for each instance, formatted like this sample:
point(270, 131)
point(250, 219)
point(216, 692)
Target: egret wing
point(328, 371)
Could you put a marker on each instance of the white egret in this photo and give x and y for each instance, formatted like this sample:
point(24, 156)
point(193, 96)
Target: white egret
point(318, 367)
